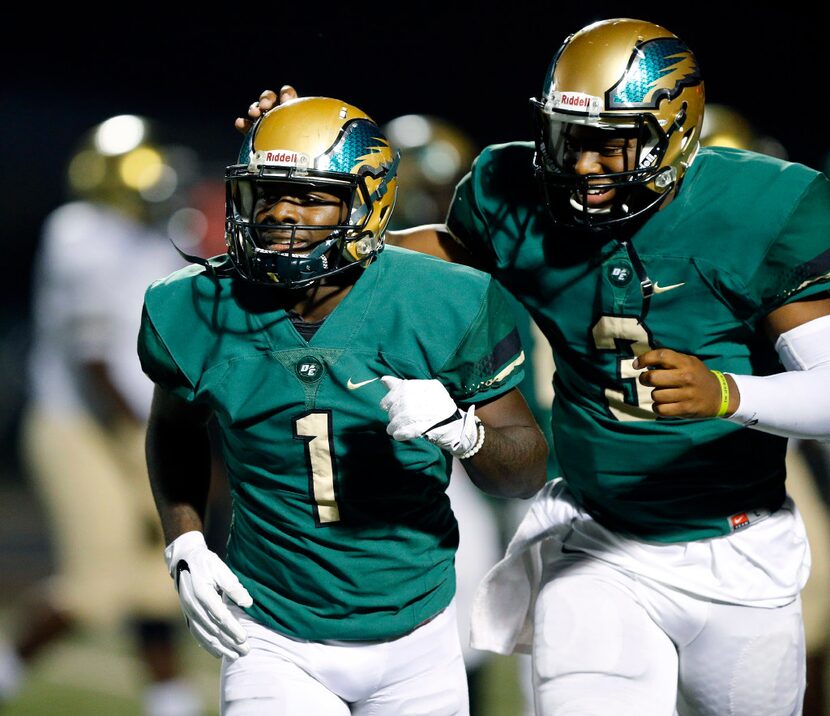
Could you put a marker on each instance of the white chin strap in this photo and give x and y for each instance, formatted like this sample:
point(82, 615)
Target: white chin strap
point(792, 404)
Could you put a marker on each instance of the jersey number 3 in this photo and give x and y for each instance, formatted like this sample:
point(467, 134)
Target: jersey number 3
point(314, 428)
point(632, 401)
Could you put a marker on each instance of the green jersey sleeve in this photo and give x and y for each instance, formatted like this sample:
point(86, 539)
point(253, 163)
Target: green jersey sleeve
point(465, 220)
point(489, 359)
point(797, 262)
point(158, 363)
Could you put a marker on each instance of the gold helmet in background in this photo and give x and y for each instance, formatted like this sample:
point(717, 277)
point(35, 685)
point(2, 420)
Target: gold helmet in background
point(314, 142)
point(726, 127)
point(631, 78)
point(435, 154)
point(121, 163)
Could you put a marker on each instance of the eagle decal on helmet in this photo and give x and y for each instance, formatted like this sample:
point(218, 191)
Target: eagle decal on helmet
point(659, 69)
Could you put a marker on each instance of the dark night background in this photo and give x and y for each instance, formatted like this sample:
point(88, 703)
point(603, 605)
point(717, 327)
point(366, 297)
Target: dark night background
point(474, 64)
point(67, 67)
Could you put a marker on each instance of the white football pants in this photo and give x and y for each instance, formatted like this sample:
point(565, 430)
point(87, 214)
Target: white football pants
point(419, 674)
point(607, 641)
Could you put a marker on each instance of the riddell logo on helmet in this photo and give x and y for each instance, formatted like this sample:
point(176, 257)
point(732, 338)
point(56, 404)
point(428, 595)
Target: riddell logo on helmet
point(576, 100)
point(280, 158)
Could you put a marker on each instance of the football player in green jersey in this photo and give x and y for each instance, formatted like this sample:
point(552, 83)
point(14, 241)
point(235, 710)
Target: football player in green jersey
point(340, 402)
point(684, 291)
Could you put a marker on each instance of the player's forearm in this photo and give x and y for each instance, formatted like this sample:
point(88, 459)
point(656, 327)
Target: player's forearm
point(791, 404)
point(432, 239)
point(511, 463)
point(178, 462)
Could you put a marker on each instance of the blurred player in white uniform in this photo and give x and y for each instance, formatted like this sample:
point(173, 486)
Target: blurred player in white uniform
point(83, 432)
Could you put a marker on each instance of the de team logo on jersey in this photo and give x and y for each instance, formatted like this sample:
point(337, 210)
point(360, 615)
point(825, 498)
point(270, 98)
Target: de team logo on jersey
point(620, 274)
point(309, 369)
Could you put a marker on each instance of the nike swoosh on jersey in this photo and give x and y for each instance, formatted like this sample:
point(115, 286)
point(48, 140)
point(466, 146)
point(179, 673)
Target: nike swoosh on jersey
point(355, 386)
point(663, 289)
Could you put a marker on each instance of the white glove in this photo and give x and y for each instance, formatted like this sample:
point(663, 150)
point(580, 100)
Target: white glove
point(201, 577)
point(424, 408)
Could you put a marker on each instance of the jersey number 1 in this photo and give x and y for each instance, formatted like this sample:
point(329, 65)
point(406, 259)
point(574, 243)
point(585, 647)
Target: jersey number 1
point(314, 428)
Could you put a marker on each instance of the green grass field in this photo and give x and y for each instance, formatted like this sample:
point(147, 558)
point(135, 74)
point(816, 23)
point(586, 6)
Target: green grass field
point(96, 673)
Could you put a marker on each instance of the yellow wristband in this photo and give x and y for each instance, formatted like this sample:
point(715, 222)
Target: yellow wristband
point(724, 393)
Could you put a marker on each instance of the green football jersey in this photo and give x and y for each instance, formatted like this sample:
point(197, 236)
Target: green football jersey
point(338, 531)
point(745, 234)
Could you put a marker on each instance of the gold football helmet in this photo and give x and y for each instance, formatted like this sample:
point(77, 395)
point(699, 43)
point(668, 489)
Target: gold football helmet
point(435, 154)
point(321, 143)
point(633, 79)
point(724, 126)
point(120, 162)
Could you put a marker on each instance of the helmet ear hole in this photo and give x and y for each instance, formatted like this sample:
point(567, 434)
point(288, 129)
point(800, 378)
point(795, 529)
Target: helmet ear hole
point(680, 120)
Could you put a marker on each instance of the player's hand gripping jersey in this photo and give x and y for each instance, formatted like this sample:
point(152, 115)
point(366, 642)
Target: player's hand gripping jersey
point(339, 532)
point(723, 254)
